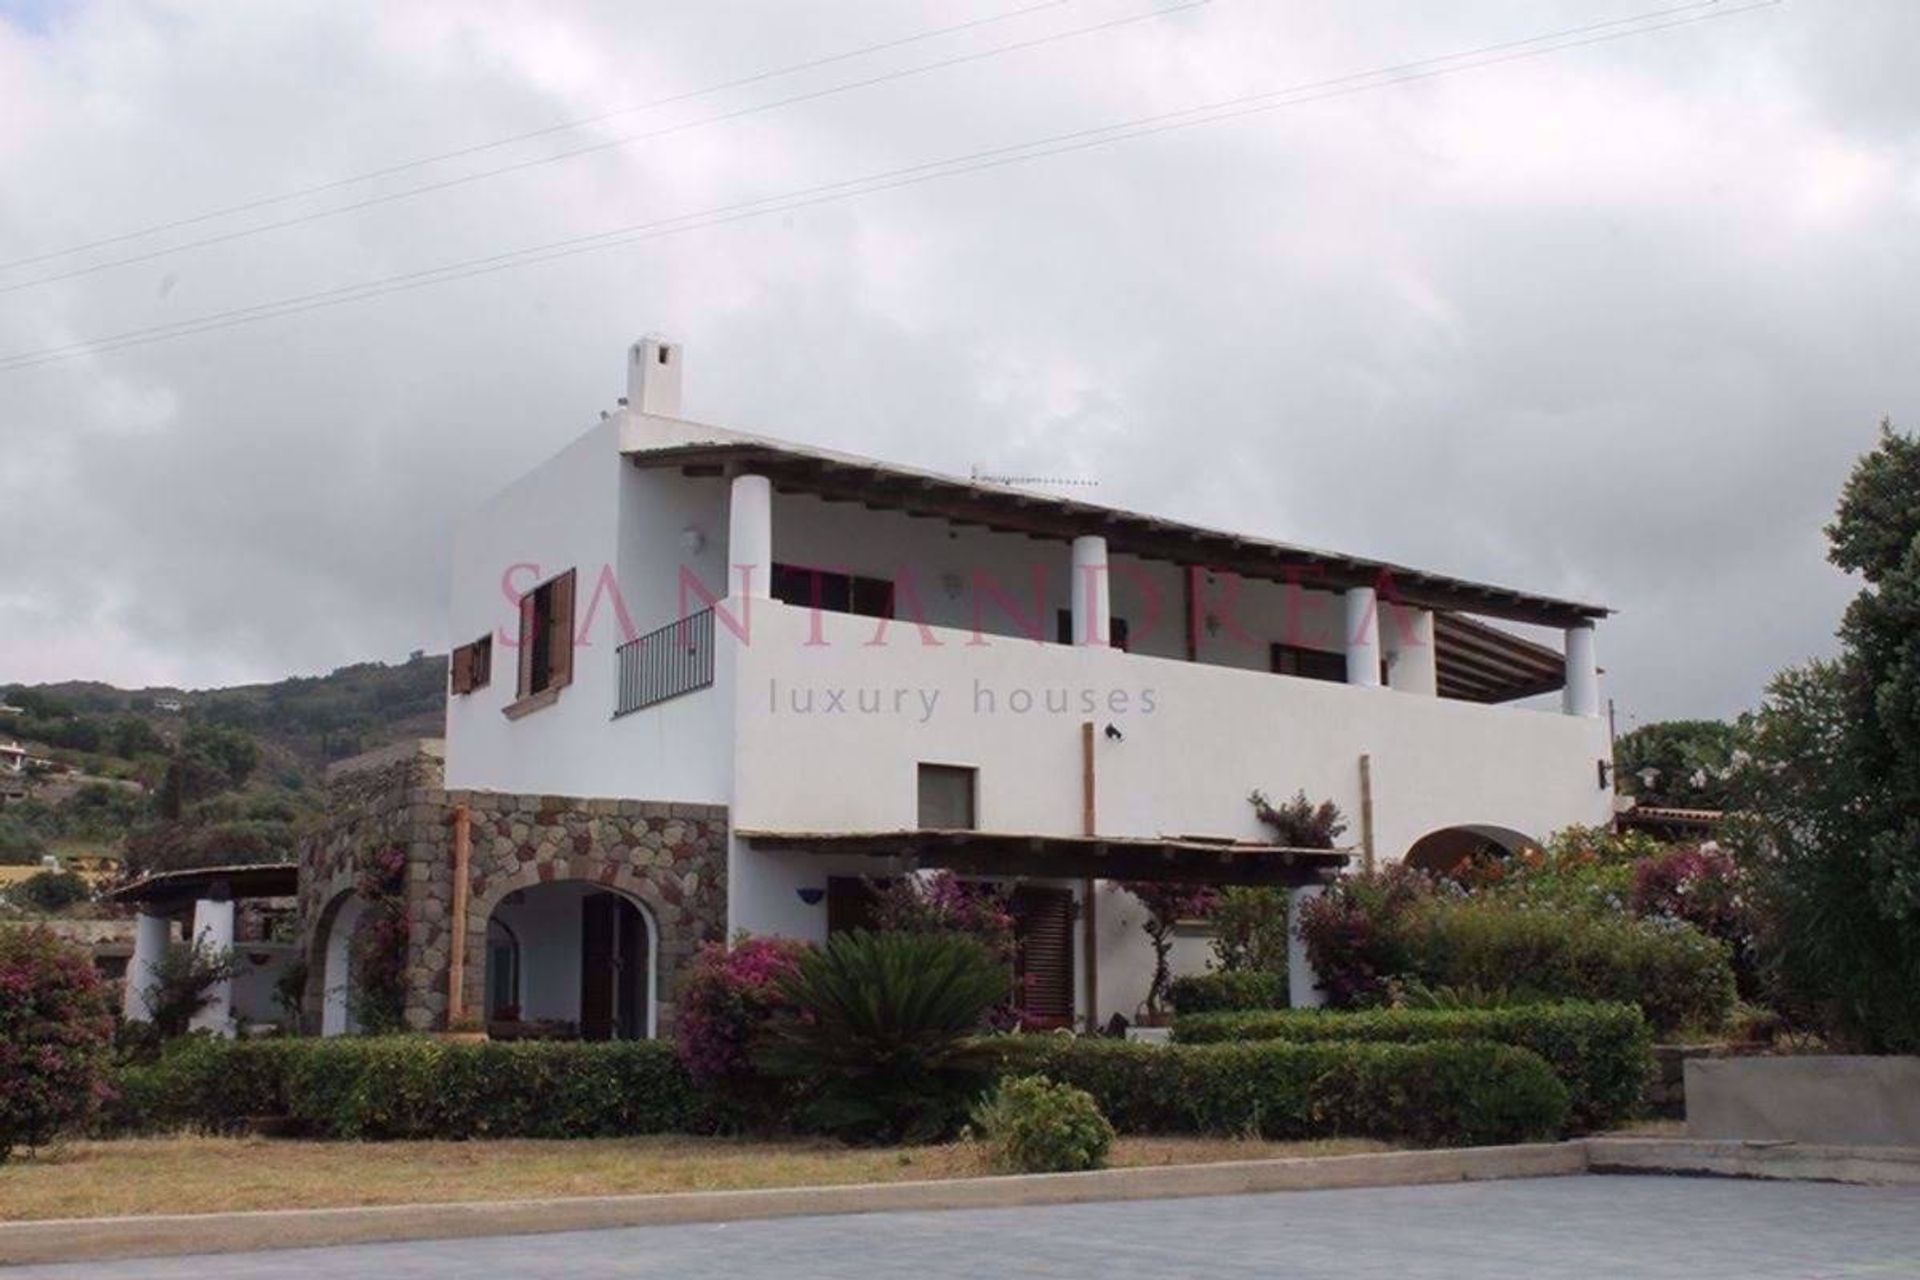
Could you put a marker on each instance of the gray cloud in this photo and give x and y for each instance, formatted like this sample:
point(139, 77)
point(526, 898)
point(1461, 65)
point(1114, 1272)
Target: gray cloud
point(1610, 323)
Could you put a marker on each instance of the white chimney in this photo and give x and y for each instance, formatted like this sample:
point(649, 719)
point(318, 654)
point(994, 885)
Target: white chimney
point(653, 377)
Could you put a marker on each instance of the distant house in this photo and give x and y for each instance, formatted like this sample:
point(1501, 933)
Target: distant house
point(13, 758)
point(733, 678)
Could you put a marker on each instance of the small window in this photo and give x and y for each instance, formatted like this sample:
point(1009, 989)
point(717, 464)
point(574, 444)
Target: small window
point(1117, 631)
point(473, 665)
point(1310, 664)
point(830, 592)
point(546, 637)
point(947, 797)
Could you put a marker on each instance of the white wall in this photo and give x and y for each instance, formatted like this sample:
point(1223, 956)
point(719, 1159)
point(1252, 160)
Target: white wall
point(620, 529)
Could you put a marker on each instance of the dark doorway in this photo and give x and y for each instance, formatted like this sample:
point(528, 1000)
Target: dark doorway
point(613, 969)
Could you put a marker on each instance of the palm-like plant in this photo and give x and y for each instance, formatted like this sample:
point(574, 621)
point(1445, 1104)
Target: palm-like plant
point(881, 1033)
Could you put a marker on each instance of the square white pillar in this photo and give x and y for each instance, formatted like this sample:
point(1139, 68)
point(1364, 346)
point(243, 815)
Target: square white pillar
point(1303, 983)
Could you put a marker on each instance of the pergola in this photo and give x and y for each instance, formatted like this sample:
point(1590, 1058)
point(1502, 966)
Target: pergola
point(203, 897)
point(1178, 859)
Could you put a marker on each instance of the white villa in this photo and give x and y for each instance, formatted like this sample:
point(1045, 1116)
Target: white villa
point(704, 683)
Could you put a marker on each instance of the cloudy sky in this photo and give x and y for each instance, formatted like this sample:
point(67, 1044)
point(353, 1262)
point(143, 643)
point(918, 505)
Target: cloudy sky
point(1608, 320)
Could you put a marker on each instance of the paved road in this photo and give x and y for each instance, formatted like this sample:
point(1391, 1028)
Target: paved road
point(1588, 1227)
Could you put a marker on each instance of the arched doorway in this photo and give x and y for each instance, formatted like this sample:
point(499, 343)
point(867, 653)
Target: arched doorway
point(572, 957)
point(1444, 851)
point(338, 922)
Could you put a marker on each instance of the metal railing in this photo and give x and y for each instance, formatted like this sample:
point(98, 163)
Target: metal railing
point(665, 663)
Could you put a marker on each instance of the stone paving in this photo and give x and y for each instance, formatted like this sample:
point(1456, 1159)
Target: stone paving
point(1640, 1227)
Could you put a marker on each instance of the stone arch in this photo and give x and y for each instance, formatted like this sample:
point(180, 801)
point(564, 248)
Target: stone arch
point(609, 876)
point(1444, 850)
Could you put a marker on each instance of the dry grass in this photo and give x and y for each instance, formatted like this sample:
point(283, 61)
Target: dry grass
point(206, 1175)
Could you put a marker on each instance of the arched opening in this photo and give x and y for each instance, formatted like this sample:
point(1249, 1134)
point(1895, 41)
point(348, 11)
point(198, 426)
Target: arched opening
point(571, 958)
point(1445, 851)
point(338, 923)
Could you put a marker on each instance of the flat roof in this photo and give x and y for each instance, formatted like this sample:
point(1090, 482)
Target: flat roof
point(240, 880)
point(699, 449)
point(1002, 853)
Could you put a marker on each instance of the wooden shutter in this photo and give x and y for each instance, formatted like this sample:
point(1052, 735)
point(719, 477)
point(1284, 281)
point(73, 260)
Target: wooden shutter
point(529, 623)
point(480, 664)
point(560, 652)
point(463, 669)
point(1043, 956)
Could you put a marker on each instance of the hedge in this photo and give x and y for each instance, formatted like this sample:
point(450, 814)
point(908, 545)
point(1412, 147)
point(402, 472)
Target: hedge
point(1602, 1053)
point(1440, 1093)
point(1233, 989)
point(1677, 975)
point(412, 1087)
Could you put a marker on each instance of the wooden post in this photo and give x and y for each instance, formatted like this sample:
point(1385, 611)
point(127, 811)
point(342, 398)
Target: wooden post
point(1089, 924)
point(457, 945)
point(1366, 812)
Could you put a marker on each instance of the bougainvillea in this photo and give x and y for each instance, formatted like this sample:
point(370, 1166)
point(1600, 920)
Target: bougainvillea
point(942, 902)
point(55, 1030)
point(729, 996)
point(1702, 886)
point(380, 941)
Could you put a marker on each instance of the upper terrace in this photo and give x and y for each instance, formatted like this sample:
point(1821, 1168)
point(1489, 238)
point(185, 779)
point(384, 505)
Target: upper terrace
point(1381, 624)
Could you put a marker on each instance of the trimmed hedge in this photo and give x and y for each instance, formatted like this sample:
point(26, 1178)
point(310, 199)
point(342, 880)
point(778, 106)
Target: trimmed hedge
point(1231, 989)
point(1677, 975)
point(1440, 1093)
point(412, 1087)
point(1602, 1053)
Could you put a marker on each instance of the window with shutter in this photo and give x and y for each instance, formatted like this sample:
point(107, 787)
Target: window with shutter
point(1043, 954)
point(546, 644)
point(473, 665)
point(947, 797)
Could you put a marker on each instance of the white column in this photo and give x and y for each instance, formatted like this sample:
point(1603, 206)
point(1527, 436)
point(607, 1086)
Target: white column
point(1581, 696)
point(150, 935)
point(1092, 592)
point(213, 929)
point(750, 537)
point(1411, 664)
point(1363, 638)
point(1303, 984)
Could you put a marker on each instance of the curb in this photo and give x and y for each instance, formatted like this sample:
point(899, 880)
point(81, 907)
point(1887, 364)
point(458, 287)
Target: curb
point(99, 1239)
point(1732, 1158)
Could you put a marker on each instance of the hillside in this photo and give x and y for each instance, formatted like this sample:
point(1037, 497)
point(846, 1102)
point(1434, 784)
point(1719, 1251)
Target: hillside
point(167, 776)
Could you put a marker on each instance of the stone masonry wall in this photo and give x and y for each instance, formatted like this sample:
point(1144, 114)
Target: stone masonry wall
point(669, 857)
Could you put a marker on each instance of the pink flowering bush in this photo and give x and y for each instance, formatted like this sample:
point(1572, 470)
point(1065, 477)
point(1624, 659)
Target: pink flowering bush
point(55, 1033)
point(1703, 888)
point(944, 903)
point(1167, 904)
point(726, 1002)
point(380, 941)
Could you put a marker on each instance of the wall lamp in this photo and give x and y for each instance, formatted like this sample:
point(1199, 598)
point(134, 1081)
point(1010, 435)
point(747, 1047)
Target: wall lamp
point(1114, 734)
point(811, 895)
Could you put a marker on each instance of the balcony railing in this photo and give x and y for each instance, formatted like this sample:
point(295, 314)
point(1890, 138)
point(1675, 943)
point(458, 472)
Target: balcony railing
point(675, 659)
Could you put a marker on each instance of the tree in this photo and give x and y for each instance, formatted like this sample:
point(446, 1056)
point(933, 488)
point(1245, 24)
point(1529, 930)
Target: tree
point(20, 844)
point(1832, 782)
point(55, 1032)
point(51, 891)
point(1685, 764)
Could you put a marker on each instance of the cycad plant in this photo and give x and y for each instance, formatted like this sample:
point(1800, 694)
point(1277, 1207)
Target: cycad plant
point(881, 1031)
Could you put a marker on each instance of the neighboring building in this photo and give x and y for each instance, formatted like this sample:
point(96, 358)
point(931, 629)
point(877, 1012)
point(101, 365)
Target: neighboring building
point(703, 682)
point(13, 758)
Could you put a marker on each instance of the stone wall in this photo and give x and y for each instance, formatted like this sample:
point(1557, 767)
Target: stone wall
point(669, 857)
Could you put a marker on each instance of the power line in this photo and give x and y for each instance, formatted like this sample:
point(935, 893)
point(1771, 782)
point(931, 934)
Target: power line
point(607, 144)
point(992, 158)
point(564, 126)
